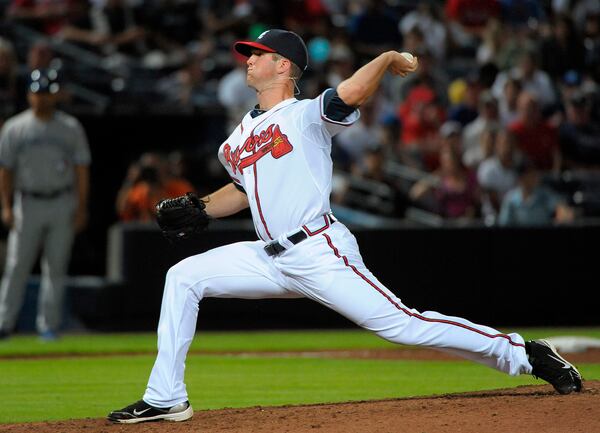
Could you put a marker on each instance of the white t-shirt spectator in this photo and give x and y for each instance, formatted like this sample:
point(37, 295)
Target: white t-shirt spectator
point(495, 177)
point(492, 175)
point(540, 85)
point(471, 140)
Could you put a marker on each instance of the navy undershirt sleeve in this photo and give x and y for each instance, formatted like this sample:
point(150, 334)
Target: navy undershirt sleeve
point(333, 106)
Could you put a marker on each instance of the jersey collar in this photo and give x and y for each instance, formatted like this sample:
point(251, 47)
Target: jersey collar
point(257, 111)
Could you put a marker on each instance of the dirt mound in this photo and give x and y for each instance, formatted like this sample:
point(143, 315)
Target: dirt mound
point(530, 409)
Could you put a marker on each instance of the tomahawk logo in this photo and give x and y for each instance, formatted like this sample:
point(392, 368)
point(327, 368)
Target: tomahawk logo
point(270, 141)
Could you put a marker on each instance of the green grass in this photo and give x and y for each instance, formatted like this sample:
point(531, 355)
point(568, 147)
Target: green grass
point(234, 341)
point(91, 387)
point(62, 388)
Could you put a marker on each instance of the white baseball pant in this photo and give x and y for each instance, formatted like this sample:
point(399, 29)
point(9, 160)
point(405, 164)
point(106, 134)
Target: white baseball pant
point(326, 267)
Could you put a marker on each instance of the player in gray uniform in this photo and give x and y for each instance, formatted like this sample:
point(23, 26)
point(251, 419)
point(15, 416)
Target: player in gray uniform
point(44, 160)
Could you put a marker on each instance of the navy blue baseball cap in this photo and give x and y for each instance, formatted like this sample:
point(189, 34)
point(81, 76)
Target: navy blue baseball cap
point(44, 81)
point(283, 42)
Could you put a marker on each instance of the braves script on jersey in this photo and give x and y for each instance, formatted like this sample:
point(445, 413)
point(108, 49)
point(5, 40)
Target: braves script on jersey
point(282, 160)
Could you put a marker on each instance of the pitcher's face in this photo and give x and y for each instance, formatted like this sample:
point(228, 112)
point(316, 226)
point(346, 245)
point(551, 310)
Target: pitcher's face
point(261, 69)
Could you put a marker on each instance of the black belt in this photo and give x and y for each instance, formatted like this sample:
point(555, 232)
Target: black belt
point(274, 247)
point(46, 195)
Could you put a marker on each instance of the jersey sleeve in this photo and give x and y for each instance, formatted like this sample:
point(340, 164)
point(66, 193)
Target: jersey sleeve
point(328, 113)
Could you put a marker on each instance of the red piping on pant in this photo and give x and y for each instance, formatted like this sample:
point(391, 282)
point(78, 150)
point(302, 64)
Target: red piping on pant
point(409, 313)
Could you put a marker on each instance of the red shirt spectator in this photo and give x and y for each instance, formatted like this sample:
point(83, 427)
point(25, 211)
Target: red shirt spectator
point(472, 14)
point(421, 117)
point(140, 203)
point(535, 137)
point(48, 16)
point(538, 142)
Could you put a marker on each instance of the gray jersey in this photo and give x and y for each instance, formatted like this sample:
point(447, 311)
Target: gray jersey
point(43, 155)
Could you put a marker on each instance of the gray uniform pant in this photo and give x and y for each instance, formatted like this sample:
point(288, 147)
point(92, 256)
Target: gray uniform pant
point(46, 225)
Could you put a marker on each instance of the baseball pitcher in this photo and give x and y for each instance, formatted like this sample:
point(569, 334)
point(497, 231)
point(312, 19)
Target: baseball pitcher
point(279, 161)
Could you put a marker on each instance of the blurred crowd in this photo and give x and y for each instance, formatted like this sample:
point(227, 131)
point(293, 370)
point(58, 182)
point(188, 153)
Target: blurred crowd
point(500, 124)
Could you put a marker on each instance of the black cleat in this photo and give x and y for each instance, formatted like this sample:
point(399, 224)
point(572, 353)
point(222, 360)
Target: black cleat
point(141, 411)
point(4, 335)
point(549, 365)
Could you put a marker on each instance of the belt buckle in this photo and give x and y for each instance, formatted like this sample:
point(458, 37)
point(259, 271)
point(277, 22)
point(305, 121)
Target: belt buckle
point(272, 250)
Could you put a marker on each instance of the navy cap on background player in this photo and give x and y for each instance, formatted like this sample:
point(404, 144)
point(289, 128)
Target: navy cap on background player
point(283, 42)
point(44, 81)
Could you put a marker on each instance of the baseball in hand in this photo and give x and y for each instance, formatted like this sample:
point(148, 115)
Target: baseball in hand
point(407, 56)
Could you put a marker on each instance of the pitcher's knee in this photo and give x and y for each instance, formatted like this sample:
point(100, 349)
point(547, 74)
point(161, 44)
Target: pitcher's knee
point(178, 279)
point(399, 332)
point(395, 335)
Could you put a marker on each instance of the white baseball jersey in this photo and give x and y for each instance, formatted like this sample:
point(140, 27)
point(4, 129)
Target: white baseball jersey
point(282, 159)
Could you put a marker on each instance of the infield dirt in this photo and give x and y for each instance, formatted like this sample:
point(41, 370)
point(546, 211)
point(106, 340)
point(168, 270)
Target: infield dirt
point(531, 409)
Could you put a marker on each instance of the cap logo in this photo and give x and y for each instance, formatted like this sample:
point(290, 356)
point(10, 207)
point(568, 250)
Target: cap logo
point(262, 34)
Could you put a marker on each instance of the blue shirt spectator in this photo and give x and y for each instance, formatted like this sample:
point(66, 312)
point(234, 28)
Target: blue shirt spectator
point(530, 203)
point(537, 208)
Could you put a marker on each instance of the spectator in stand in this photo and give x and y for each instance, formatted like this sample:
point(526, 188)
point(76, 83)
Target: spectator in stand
point(451, 136)
point(341, 62)
point(581, 9)
point(364, 135)
point(454, 188)
point(414, 40)
point(466, 20)
point(579, 136)
point(426, 19)
point(533, 80)
point(522, 13)
point(421, 116)
point(184, 90)
point(472, 15)
point(79, 28)
point(514, 42)
point(563, 50)
point(531, 204)
point(491, 42)
point(507, 101)
point(233, 92)
point(302, 15)
point(172, 24)
point(117, 20)
point(357, 191)
point(47, 16)
point(591, 42)
point(428, 74)
point(466, 110)
point(536, 137)
point(472, 133)
point(497, 175)
point(569, 84)
point(147, 182)
point(40, 56)
point(374, 30)
point(487, 75)
point(8, 80)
